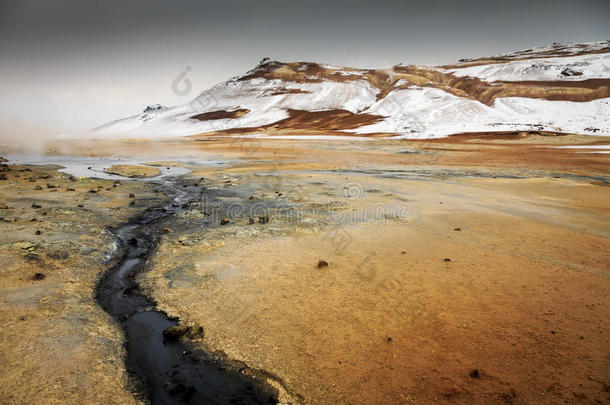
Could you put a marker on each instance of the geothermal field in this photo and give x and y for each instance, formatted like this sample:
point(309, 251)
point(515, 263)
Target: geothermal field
point(309, 233)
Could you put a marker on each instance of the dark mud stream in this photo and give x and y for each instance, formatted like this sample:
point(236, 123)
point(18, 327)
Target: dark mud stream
point(169, 372)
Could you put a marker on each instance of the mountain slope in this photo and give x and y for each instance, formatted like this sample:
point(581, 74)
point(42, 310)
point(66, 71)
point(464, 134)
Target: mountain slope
point(559, 88)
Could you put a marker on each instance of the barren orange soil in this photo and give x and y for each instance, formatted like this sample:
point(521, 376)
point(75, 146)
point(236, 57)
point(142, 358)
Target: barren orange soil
point(472, 269)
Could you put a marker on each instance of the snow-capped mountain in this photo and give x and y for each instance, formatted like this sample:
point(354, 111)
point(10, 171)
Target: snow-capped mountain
point(559, 88)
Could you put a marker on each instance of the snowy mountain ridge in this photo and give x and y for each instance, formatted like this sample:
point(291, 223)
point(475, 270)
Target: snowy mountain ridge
point(562, 88)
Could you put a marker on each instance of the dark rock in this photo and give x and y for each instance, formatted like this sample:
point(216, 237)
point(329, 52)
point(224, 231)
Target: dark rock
point(70, 189)
point(389, 339)
point(322, 263)
point(131, 195)
point(195, 332)
point(36, 206)
point(263, 219)
point(446, 259)
point(38, 188)
point(570, 72)
point(224, 221)
point(175, 332)
point(38, 232)
point(475, 373)
point(130, 290)
point(132, 203)
point(58, 254)
point(177, 389)
point(32, 257)
point(93, 191)
point(154, 107)
point(457, 229)
point(3, 176)
point(80, 205)
point(38, 276)
point(51, 186)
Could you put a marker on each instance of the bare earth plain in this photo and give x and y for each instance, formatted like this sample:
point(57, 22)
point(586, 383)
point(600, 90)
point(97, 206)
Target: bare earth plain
point(472, 269)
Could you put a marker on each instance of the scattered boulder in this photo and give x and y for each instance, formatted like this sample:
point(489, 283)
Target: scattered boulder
point(58, 254)
point(570, 72)
point(38, 276)
point(446, 260)
point(184, 392)
point(195, 331)
point(51, 186)
point(263, 219)
point(38, 188)
point(32, 257)
point(322, 263)
point(38, 232)
point(475, 373)
point(224, 221)
point(166, 230)
point(132, 195)
point(3, 176)
point(175, 332)
point(36, 206)
point(457, 229)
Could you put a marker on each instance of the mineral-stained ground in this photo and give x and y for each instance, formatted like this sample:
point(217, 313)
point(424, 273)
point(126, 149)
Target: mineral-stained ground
point(472, 269)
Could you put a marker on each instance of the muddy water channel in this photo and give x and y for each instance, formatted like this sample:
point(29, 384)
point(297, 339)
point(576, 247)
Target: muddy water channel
point(168, 368)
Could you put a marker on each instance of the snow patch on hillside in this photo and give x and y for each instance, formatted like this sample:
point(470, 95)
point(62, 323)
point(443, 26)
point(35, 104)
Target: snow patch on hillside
point(422, 112)
point(585, 67)
point(268, 101)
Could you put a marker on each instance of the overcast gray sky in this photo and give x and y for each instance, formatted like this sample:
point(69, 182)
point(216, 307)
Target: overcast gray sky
point(73, 65)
